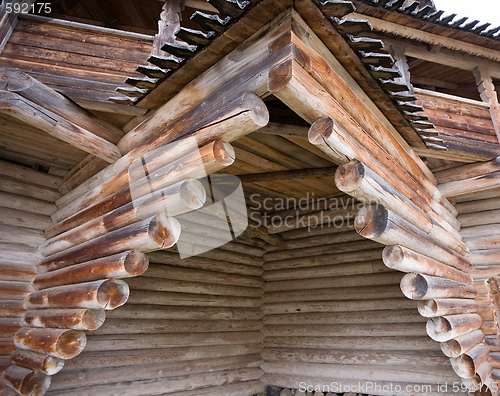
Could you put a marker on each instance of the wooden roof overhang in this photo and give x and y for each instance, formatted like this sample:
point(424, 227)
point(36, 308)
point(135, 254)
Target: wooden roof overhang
point(286, 59)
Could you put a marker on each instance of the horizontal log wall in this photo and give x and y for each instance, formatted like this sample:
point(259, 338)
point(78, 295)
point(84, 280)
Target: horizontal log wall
point(335, 313)
point(26, 202)
point(188, 324)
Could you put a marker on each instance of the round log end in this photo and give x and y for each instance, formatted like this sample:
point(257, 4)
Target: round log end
point(393, 256)
point(463, 366)
point(136, 263)
point(44, 363)
point(193, 194)
point(224, 153)
point(70, 344)
point(319, 131)
point(26, 382)
point(414, 286)
point(451, 348)
point(349, 176)
point(15, 80)
point(92, 319)
point(427, 308)
point(113, 294)
point(171, 231)
point(258, 110)
point(439, 329)
point(371, 221)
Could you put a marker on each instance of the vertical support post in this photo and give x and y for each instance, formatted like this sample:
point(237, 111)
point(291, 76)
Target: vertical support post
point(169, 23)
point(488, 95)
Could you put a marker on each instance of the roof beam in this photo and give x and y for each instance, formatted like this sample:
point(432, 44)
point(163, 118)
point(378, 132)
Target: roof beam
point(391, 28)
point(29, 112)
point(288, 175)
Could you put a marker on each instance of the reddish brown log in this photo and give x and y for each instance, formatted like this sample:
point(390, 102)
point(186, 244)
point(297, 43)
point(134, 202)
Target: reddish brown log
point(43, 363)
point(173, 200)
point(26, 382)
point(121, 265)
point(102, 294)
point(76, 319)
point(379, 224)
point(424, 287)
point(406, 260)
point(157, 232)
point(60, 343)
point(445, 328)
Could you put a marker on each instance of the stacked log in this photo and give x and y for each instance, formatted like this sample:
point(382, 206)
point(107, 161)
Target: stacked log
point(189, 324)
point(26, 201)
point(334, 311)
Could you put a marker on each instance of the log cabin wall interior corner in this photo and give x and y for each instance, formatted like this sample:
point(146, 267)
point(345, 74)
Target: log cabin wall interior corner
point(365, 137)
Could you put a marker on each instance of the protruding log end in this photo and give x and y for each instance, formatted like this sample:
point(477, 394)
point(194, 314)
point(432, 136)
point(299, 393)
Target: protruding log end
point(393, 256)
point(445, 328)
point(447, 306)
point(349, 176)
point(63, 344)
point(26, 382)
point(76, 319)
point(257, 108)
point(280, 76)
point(224, 153)
point(414, 286)
point(193, 194)
point(14, 80)
point(321, 130)
point(39, 362)
point(136, 263)
point(371, 221)
point(166, 230)
point(463, 343)
point(113, 293)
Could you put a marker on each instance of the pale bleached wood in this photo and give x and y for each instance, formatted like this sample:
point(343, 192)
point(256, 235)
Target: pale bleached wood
point(198, 164)
point(377, 223)
point(120, 265)
point(467, 364)
point(35, 115)
point(173, 200)
point(31, 205)
point(468, 171)
point(26, 189)
point(405, 260)
point(29, 175)
point(444, 328)
point(59, 343)
point(470, 185)
point(424, 287)
point(28, 87)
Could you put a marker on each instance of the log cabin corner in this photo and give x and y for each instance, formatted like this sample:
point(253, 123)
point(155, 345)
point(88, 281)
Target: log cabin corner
point(241, 197)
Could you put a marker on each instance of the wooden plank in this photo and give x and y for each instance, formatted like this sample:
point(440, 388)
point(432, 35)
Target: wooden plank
point(488, 95)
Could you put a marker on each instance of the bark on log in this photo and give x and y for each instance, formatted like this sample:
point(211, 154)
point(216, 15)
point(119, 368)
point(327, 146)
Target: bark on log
point(76, 319)
point(361, 182)
point(379, 224)
point(122, 265)
point(59, 343)
point(208, 159)
point(26, 382)
point(103, 294)
point(445, 328)
point(173, 200)
point(154, 233)
point(406, 260)
point(39, 362)
point(424, 287)
point(448, 306)
point(467, 364)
